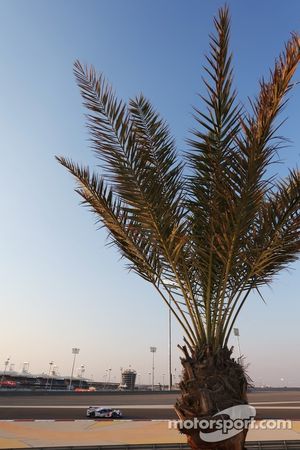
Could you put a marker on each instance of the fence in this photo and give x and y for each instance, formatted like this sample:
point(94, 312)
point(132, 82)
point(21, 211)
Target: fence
point(254, 445)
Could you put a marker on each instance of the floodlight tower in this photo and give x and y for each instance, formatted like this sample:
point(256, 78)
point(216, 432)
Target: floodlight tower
point(75, 352)
point(51, 363)
point(153, 350)
point(236, 332)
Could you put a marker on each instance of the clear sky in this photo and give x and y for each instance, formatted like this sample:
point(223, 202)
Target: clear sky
point(60, 286)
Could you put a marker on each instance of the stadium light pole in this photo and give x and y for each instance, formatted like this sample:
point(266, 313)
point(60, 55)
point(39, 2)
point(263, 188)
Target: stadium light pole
point(175, 377)
point(283, 382)
point(236, 332)
point(170, 284)
point(170, 346)
point(25, 368)
point(5, 368)
point(50, 367)
point(153, 350)
point(51, 377)
point(75, 352)
point(82, 370)
point(53, 373)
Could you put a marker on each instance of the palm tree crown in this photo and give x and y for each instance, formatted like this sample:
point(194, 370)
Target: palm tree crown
point(209, 235)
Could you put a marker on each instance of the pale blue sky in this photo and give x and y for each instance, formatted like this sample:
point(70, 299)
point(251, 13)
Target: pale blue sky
point(60, 287)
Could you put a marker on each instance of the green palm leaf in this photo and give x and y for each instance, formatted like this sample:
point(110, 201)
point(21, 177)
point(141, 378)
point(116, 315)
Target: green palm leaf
point(208, 230)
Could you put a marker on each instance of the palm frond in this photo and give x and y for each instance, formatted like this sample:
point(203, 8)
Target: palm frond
point(164, 187)
point(215, 179)
point(208, 238)
point(278, 230)
point(132, 244)
point(140, 162)
point(131, 158)
point(113, 216)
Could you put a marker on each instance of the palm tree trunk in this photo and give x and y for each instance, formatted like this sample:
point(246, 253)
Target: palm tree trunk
point(211, 383)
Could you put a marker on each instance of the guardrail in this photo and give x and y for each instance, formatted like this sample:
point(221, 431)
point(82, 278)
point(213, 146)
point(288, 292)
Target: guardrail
point(53, 392)
point(254, 445)
point(273, 445)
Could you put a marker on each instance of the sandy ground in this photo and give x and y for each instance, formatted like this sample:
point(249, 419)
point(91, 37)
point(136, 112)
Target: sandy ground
point(20, 434)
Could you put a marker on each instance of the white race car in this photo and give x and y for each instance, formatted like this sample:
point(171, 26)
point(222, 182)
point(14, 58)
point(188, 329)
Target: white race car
point(103, 412)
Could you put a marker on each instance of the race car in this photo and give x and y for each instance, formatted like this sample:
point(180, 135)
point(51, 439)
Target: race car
point(103, 412)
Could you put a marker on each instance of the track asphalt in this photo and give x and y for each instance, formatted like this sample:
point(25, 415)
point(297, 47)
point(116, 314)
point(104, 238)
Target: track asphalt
point(52, 420)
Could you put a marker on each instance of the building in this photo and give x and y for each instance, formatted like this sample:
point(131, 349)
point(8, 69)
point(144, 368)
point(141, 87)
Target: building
point(27, 381)
point(128, 379)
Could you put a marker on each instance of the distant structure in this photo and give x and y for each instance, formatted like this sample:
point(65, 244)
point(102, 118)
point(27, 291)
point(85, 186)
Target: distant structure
point(26, 381)
point(128, 380)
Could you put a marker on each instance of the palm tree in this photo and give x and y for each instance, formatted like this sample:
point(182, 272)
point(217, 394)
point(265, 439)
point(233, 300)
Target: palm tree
point(205, 229)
